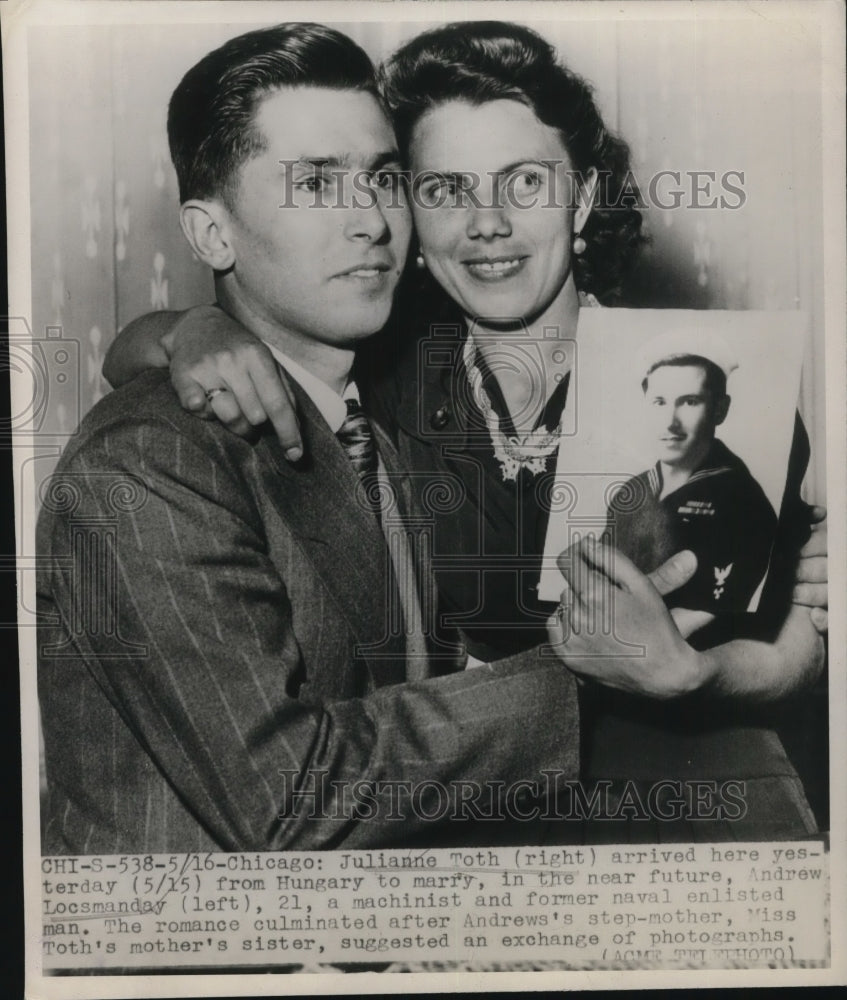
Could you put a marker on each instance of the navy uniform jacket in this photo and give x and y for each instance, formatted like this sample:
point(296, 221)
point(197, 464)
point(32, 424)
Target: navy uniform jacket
point(721, 514)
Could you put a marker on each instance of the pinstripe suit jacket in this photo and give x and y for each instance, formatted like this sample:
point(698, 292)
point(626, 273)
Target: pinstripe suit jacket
point(215, 650)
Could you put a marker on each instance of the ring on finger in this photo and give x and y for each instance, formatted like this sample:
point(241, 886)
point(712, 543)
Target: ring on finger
point(211, 393)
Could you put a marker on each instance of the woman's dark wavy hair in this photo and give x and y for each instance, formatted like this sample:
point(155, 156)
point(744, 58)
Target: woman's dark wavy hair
point(481, 61)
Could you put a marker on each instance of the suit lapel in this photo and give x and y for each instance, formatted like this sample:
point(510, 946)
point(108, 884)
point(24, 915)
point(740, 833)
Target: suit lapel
point(317, 498)
point(344, 542)
point(445, 655)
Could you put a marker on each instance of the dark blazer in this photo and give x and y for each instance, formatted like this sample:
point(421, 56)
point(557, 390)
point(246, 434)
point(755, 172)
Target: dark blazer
point(215, 653)
point(720, 513)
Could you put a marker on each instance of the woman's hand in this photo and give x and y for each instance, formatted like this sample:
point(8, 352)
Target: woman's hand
point(810, 581)
point(613, 625)
point(208, 350)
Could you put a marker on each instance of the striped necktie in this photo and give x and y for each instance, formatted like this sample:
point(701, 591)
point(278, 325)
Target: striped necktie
point(357, 438)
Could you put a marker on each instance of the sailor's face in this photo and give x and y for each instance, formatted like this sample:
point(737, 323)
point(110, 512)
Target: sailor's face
point(682, 414)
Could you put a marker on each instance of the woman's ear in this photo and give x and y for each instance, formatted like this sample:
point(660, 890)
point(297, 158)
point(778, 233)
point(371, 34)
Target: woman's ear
point(585, 195)
point(205, 224)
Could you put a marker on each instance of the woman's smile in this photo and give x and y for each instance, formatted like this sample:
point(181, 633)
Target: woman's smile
point(494, 254)
point(495, 269)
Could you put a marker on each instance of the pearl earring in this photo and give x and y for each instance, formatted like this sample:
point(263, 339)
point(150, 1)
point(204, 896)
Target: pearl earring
point(420, 262)
point(579, 244)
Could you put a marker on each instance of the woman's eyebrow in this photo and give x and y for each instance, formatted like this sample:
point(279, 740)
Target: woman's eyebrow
point(547, 162)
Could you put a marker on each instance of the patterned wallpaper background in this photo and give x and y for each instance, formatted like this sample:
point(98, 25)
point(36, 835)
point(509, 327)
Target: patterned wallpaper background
point(106, 242)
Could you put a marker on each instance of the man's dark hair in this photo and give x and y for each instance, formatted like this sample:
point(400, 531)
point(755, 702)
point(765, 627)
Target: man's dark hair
point(486, 61)
point(714, 383)
point(211, 116)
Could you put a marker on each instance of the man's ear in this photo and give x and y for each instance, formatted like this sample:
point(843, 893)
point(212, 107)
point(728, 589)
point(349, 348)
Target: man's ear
point(206, 227)
point(585, 195)
point(721, 409)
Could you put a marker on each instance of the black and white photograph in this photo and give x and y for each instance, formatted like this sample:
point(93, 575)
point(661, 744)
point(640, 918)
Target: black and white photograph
point(429, 446)
point(683, 443)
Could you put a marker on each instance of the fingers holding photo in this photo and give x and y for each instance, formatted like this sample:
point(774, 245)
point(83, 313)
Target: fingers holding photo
point(812, 572)
point(612, 625)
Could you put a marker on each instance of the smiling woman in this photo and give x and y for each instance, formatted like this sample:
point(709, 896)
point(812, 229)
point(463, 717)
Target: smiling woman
point(507, 146)
point(494, 107)
point(502, 248)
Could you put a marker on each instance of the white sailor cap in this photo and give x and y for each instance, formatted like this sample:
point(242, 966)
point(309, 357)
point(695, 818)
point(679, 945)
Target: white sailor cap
point(679, 342)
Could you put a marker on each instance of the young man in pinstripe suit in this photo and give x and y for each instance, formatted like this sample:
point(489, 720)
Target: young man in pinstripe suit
point(240, 653)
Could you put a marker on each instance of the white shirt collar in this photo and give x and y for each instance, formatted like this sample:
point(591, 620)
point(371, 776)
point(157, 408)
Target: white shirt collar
point(331, 406)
